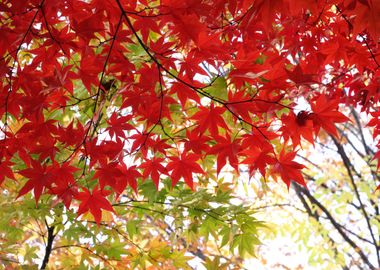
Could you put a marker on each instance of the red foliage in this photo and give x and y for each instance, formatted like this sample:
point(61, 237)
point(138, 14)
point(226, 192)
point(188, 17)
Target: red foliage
point(91, 85)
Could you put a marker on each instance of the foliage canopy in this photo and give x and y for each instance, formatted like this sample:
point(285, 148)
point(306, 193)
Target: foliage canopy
point(103, 100)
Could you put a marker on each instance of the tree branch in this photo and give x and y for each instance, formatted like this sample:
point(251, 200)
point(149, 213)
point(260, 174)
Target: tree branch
point(348, 165)
point(49, 245)
point(336, 225)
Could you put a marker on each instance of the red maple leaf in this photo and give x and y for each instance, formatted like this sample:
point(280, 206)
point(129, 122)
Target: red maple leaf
point(325, 115)
point(297, 126)
point(196, 142)
point(70, 135)
point(104, 151)
point(66, 192)
point(225, 149)
point(366, 17)
point(185, 93)
point(129, 177)
point(62, 173)
point(94, 202)
point(108, 174)
point(241, 104)
point(184, 166)
point(258, 159)
point(154, 168)
point(118, 125)
point(87, 27)
point(39, 177)
point(5, 171)
point(299, 77)
point(145, 141)
point(210, 119)
point(288, 169)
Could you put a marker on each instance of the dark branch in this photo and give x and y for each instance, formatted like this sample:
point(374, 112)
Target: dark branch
point(336, 225)
point(49, 245)
point(349, 167)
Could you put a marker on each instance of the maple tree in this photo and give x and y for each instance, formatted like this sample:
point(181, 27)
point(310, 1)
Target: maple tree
point(98, 96)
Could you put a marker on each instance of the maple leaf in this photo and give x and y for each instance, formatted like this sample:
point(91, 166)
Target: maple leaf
point(259, 138)
point(185, 93)
point(299, 77)
point(5, 171)
point(14, 100)
point(258, 159)
point(189, 28)
point(297, 126)
point(94, 202)
point(87, 27)
point(118, 125)
point(39, 177)
point(66, 192)
point(225, 149)
point(243, 109)
point(367, 15)
point(247, 70)
point(108, 174)
point(45, 149)
point(90, 68)
point(210, 119)
point(129, 176)
point(37, 137)
point(155, 110)
point(62, 172)
point(33, 106)
point(143, 142)
point(70, 135)
point(375, 122)
point(325, 115)
point(184, 166)
point(146, 26)
point(268, 9)
point(103, 152)
point(154, 168)
point(288, 169)
point(377, 154)
point(196, 142)
point(336, 50)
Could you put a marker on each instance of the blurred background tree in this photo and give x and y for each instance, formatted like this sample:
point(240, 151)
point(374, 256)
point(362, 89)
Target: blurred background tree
point(334, 224)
